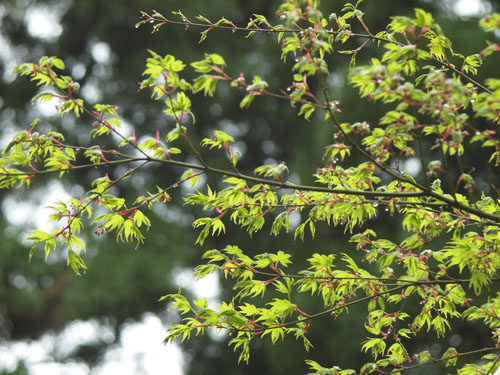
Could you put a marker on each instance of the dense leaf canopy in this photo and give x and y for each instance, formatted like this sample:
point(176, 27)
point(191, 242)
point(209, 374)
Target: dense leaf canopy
point(411, 193)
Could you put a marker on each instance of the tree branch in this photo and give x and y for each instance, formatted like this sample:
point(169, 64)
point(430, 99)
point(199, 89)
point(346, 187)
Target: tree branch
point(438, 360)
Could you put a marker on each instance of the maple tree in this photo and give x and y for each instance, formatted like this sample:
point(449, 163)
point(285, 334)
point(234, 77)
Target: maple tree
point(438, 115)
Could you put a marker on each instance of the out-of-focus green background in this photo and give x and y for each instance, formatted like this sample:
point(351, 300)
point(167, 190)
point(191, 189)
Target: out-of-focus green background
point(52, 320)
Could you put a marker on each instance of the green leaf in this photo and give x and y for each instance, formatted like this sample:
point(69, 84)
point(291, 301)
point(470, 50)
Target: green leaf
point(76, 262)
point(478, 280)
point(452, 354)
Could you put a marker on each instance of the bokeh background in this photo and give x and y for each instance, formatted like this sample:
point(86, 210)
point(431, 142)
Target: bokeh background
point(109, 320)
